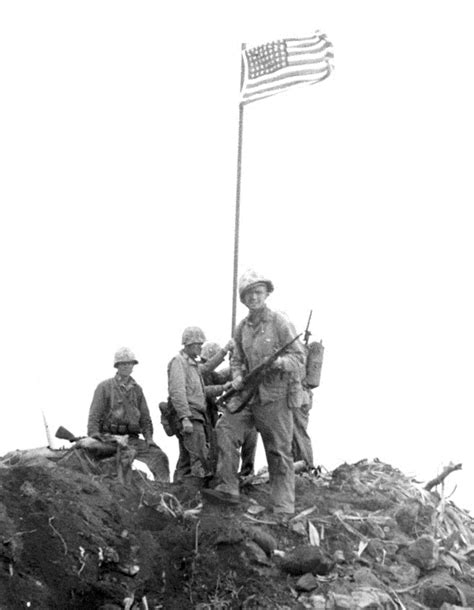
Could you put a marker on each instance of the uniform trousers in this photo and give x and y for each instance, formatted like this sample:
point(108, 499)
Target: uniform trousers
point(193, 460)
point(154, 457)
point(302, 448)
point(274, 421)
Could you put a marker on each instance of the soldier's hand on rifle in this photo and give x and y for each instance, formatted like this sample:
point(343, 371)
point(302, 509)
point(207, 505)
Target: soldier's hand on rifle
point(237, 383)
point(227, 385)
point(187, 425)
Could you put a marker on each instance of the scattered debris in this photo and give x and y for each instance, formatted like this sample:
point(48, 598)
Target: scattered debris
point(440, 478)
point(363, 536)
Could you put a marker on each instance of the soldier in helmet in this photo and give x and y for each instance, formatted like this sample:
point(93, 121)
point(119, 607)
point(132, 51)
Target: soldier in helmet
point(214, 380)
point(257, 337)
point(188, 396)
point(119, 407)
point(217, 382)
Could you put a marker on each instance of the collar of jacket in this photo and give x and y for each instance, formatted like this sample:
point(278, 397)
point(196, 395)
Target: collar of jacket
point(188, 358)
point(262, 315)
point(131, 382)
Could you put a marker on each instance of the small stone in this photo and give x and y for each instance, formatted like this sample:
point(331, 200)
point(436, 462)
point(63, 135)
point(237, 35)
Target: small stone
point(339, 601)
point(406, 574)
point(111, 555)
point(307, 582)
point(299, 527)
point(424, 552)
point(375, 548)
point(305, 559)
point(365, 576)
point(256, 553)
point(407, 516)
point(434, 595)
point(391, 548)
point(266, 541)
point(318, 602)
point(369, 597)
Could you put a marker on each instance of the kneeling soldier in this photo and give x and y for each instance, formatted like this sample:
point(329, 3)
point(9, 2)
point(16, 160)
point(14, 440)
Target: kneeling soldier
point(119, 407)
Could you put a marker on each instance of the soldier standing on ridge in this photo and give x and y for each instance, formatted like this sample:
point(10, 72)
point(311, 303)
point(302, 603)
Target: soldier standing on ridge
point(212, 379)
point(119, 407)
point(302, 448)
point(257, 337)
point(188, 397)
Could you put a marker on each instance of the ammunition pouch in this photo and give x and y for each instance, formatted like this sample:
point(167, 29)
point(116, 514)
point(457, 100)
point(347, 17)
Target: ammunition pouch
point(121, 429)
point(168, 418)
point(134, 429)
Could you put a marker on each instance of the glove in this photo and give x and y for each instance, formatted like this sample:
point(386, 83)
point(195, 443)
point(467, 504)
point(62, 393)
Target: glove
point(187, 425)
point(227, 385)
point(237, 383)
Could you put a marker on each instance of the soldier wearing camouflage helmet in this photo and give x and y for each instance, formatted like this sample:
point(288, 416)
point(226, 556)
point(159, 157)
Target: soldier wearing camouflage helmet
point(187, 393)
point(256, 338)
point(216, 382)
point(119, 407)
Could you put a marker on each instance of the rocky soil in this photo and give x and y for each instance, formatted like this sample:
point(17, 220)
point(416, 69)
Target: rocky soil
point(79, 534)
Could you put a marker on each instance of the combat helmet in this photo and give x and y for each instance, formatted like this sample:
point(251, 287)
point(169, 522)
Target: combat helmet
point(192, 334)
point(251, 278)
point(124, 355)
point(209, 350)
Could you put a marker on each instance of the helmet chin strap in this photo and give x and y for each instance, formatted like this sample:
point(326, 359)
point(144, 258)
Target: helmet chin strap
point(255, 314)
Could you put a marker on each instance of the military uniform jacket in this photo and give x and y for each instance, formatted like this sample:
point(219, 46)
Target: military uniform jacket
point(214, 381)
point(186, 387)
point(257, 339)
point(116, 403)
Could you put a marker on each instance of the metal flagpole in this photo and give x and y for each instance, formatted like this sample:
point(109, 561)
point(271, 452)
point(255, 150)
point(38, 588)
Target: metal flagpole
point(237, 203)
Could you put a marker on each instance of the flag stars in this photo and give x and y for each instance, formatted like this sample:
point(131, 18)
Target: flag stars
point(267, 58)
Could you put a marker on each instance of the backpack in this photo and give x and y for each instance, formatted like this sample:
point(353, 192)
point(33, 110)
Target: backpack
point(168, 418)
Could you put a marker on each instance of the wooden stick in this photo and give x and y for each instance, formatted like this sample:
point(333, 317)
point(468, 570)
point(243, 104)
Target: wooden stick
point(440, 478)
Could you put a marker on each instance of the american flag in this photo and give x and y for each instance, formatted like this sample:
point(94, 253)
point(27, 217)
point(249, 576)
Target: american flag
point(275, 66)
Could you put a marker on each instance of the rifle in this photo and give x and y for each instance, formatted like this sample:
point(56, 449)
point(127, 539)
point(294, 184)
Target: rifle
point(307, 332)
point(251, 381)
point(98, 448)
point(63, 433)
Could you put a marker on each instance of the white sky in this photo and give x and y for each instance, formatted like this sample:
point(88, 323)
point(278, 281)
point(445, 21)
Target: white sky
point(118, 152)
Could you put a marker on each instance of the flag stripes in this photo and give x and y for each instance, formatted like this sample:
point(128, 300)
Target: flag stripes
point(273, 67)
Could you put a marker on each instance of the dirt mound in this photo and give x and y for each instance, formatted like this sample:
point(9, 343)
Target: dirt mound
point(75, 535)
